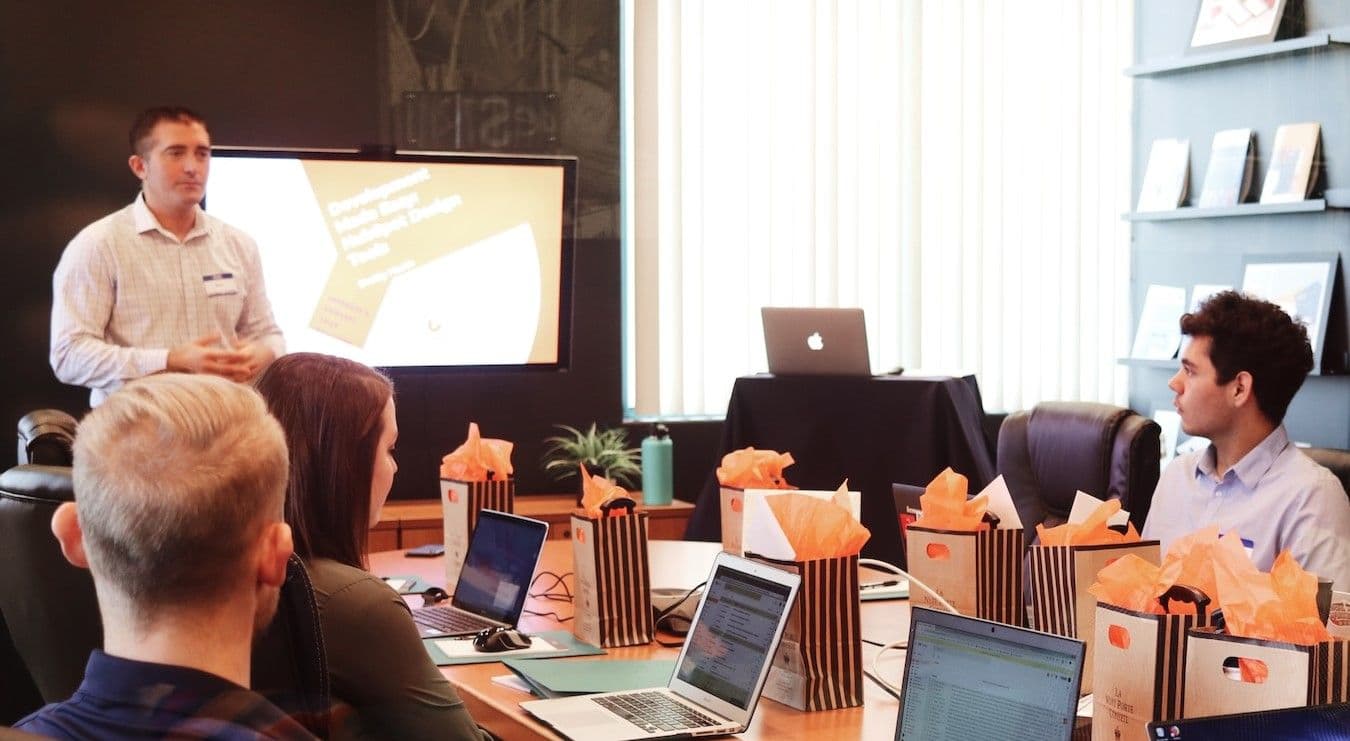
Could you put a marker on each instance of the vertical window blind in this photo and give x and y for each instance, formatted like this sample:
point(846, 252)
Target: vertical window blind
point(957, 168)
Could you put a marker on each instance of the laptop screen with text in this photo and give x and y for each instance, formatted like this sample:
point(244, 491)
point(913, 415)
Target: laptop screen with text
point(968, 678)
point(734, 636)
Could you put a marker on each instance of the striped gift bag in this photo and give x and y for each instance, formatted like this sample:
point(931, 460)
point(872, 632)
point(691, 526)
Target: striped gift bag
point(461, 501)
point(613, 595)
point(1060, 577)
point(1139, 668)
point(819, 661)
point(979, 573)
point(1294, 675)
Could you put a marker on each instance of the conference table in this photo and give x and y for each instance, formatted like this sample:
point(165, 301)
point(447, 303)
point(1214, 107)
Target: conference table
point(875, 431)
point(497, 707)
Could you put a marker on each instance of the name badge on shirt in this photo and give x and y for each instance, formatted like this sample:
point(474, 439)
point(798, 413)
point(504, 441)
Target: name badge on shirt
point(220, 284)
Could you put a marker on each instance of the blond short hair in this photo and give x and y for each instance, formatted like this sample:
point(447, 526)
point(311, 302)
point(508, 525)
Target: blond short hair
point(175, 476)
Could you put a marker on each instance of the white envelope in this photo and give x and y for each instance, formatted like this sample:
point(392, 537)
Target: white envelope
point(1084, 504)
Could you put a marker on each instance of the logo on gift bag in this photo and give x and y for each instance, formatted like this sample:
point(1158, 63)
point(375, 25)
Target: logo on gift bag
point(579, 534)
point(453, 494)
point(736, 504)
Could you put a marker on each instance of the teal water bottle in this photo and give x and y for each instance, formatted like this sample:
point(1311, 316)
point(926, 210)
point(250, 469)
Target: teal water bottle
point(658, 467)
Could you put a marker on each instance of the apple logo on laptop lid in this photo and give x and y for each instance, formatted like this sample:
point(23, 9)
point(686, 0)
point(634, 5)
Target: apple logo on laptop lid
point(815, 341)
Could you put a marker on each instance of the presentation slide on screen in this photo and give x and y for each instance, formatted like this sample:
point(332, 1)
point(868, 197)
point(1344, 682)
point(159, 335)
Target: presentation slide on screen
point(404, 263)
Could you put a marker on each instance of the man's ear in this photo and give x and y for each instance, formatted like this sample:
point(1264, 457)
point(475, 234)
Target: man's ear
point(66, 528)
point(1240, 390)
point(137, 165)
point(274, 548)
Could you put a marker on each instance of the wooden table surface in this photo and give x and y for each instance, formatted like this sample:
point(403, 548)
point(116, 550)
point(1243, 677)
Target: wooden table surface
point(498, 708)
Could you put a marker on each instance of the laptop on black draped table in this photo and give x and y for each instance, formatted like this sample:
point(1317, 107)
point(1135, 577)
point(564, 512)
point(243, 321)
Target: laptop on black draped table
point(718, 675)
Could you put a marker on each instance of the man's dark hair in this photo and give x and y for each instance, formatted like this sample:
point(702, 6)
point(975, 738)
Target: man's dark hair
point(139, 135)
point(1249, 334)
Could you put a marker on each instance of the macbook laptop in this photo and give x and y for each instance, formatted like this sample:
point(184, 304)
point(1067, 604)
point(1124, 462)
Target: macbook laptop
point(495, 580)
point(1316, 723)
point(972, 679)
point(718, 675)
point(815, 342)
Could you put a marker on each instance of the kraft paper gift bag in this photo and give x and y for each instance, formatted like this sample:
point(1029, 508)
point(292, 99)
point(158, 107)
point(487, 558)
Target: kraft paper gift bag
point(741, 471)
point(461, 501)
point(740, 508)
point(613, 595)
point(819, 662)
point(1061, 574)
point(1139, 666)
point(818, 665)
point(954, 549)
point(1277, 674)
point(474, 477)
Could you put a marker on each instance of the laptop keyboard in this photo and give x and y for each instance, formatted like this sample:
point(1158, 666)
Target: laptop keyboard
point(449, 620)
point(655, 712)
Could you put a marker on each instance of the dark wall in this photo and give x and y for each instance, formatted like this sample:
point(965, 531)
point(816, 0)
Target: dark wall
point(301, 73)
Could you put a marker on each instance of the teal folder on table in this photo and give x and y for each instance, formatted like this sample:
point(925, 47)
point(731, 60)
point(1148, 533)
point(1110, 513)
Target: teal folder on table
point(585, 676)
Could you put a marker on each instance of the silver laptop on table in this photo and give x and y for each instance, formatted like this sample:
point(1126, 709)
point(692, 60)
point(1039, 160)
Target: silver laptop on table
point(718, 675)
point(972, 679)
point(498, 568)
point(815, 342)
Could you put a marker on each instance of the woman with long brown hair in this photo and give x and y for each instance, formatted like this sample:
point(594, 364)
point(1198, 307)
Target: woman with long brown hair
point(340, 424)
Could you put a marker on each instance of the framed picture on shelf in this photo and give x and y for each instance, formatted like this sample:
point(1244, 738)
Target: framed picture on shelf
point(1299, 284)
point(1223, 23)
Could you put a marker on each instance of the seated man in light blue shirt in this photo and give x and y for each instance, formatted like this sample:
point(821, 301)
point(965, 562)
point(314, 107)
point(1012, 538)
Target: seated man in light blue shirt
point(1241, 367)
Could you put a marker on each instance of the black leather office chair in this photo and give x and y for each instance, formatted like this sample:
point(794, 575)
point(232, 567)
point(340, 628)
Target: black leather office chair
point(48, 604)
point(1336, 460)
point(52, 614)
point(1057, 448)
point(46, 437)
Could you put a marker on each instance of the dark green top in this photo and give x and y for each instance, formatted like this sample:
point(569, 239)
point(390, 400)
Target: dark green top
point(380, 672)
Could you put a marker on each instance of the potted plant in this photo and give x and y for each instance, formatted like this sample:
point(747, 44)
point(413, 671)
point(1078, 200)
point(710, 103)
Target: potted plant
point(602, 452)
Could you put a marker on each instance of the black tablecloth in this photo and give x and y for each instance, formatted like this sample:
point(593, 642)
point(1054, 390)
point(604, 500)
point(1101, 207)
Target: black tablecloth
point(874, 431)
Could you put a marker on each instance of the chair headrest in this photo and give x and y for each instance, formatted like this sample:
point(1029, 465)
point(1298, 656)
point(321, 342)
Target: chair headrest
point(43, 484)
point(46, 436)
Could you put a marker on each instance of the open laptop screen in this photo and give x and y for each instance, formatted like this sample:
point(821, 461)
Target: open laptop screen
point(733, 637)
point(968, 678)
point(497, 570)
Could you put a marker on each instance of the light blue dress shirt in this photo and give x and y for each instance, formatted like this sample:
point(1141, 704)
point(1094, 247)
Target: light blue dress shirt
point(1276, 498)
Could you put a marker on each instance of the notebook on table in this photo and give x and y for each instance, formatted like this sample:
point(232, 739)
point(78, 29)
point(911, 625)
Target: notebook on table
point(815, 342)
point(718, 675)
point(498, 567)
point(967, 678)
point(1315, 723)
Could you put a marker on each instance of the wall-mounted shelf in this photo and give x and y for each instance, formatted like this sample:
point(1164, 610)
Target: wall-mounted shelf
point(1316, 40)
point(1242, 209)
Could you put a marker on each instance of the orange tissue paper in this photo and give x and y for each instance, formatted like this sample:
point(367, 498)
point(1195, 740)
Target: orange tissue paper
point(818, 528)
point(1132, 583)
point(478, 459)
point(1279, 606)
point(943, 504)
point(748, 468)
point(1091, 531)
point(597, 491)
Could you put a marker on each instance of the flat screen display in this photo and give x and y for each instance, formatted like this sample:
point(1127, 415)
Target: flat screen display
point(409, 260)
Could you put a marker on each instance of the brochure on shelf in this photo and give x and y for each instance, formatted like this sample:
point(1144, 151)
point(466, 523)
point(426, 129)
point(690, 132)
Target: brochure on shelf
point(1167, 175)
point(1159, 333)
point(1295, 161)
point(1228, 178)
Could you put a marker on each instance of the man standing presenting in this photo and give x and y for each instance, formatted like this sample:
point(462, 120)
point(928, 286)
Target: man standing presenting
point(160, 285)
point(1245, 360)
point(179, 486)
